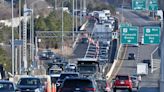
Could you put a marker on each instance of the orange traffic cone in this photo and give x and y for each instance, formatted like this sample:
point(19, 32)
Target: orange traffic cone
point(48, 87)
point(53, 87)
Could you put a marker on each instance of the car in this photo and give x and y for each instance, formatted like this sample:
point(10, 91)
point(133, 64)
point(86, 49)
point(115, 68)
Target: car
point(131, 56)
point(135, 82)
point(65, 75)
point(31, 84)
point(70, 67)
point(46, 55)
point(7, 86)
point(148, 61)
point(122, 82)
point(78, 84)
point(103, 85)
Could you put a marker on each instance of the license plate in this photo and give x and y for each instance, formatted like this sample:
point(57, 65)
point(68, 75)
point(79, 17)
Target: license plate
point(122, 82)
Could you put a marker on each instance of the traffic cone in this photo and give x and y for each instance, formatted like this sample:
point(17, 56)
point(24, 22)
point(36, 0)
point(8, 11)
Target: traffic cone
point(53, 87)
point(48, 87)
point(108, 88)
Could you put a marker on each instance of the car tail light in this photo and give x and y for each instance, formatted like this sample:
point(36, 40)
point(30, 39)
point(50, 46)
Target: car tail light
point(90, 89)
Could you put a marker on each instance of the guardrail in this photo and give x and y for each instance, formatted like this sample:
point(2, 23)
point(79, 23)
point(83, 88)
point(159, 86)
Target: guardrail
point(89, 43)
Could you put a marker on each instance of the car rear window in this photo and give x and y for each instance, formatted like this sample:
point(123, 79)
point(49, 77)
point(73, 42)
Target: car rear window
point(6, 87)
point(77, 83)
point(29, 81)
point(122, 78)
point(63, 76)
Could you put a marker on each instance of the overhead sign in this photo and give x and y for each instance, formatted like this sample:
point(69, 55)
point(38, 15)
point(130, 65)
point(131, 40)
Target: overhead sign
point(151, 35)
point(139, 4)
point(129, 35)
point(153, 5)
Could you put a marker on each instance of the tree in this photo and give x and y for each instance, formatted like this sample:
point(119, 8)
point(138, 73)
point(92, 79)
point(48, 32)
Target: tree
point(40, 24)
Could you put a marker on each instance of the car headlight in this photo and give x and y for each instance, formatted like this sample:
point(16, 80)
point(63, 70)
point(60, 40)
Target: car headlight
point(37, 90)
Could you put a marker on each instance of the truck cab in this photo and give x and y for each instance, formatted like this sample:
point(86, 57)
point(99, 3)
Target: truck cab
point(88, 67)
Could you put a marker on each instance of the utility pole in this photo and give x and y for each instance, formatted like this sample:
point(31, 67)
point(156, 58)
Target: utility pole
point(32, 35)
point(81, 3)
point(76, 16)
point(16, 60)
point(73, 21)
point(55, 4)
point(13, 72)
point(122, 17)
point(25, 37)
point(20, 38)
point(62, 28)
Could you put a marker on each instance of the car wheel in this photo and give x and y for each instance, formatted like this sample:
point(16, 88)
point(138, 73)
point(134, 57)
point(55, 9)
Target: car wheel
point(114, 90)
point(130, 90)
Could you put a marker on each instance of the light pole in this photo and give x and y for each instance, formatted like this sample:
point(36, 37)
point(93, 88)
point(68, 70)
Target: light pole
point(20, 38)
point(32, 30)
point(12, 40)
point(81, 3)
point(62, 29)
point(122, 11)
point(76, 15)
point(73, 33)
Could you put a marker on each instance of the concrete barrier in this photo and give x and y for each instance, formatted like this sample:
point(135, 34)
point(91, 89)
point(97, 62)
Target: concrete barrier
point(78, 36)
point(109, 74)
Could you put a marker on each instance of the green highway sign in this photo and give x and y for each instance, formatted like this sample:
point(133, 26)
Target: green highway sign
point(151, 35)
point(129, 35)
point(139, 4)
point(153, 5)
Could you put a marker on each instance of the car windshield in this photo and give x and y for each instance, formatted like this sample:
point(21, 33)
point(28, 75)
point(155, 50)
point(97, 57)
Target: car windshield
point(55, 71)
point(29, 81)
point(77, 83)
point(87, 68)
point(122, 78)
point(6, 87)
point(63, 76)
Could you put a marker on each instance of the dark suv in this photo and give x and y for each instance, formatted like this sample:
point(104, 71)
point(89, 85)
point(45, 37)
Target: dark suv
point(131, 56)
point(122, 82)
point(65, 75)
point(78, 85)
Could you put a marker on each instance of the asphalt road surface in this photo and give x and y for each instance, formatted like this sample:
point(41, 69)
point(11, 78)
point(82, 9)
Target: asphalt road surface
point(150, 82)
point(81, 48)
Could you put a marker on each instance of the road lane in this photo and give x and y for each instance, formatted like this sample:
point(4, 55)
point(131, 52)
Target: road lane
point(150, 82)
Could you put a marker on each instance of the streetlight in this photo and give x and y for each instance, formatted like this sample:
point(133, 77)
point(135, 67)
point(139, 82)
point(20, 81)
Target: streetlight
point(32, 31)
point(12, 40)
point(62, 29)
point(73, 33)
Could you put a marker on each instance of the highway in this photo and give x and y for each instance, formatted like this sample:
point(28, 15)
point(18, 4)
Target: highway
point(81, 48)
point(150, 82)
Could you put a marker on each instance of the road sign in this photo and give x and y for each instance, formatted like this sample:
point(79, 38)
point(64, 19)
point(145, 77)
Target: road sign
point(139, 4)
point(114, 35)
point(18, 42)
point(129, 35)
point(153, 5)
point(151, 35)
